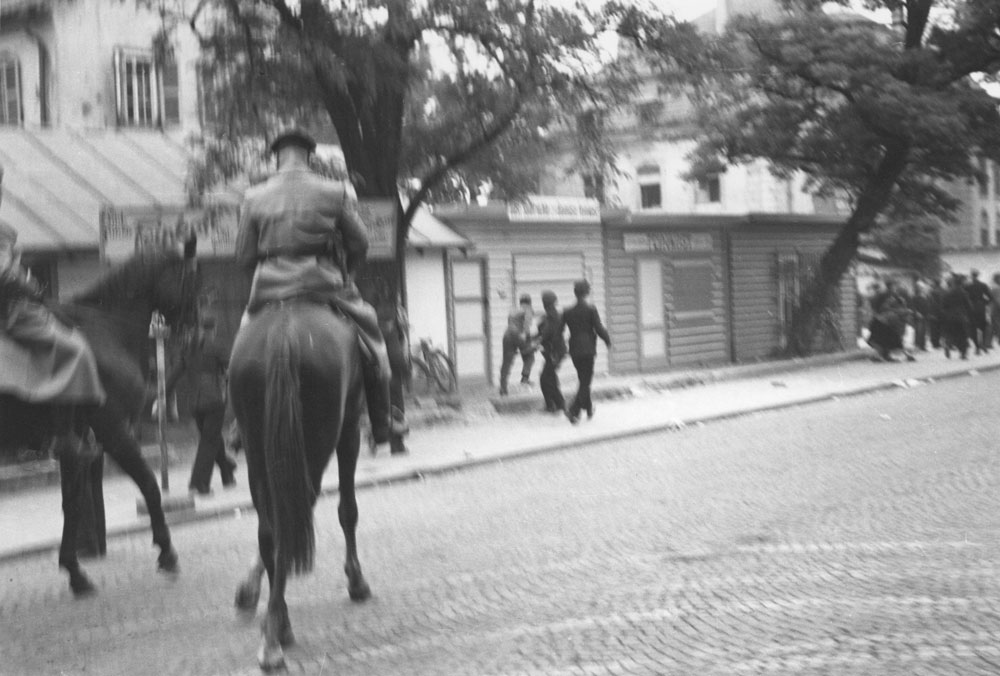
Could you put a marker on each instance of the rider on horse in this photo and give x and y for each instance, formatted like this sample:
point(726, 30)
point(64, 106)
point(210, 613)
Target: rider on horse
point(301, 237)
point(43, 360)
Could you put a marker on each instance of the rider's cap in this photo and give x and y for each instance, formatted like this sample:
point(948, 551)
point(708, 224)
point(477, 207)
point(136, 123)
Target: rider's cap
point(548, 298)
point(8, 235)
point(293, 137)
point(525, 299)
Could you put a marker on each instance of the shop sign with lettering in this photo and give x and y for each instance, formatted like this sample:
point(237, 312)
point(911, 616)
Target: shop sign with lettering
point(546, 208)
point(667, 242)
point(129, 231)
point(379, 217)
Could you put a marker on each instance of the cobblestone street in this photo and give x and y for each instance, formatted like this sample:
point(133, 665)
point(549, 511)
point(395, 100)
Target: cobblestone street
point(857, 536)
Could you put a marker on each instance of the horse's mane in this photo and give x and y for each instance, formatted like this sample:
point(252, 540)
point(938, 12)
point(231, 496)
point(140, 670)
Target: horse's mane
point(123, 279)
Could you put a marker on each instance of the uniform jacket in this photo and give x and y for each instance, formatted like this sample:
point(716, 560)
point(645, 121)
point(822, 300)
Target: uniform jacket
point(301, 235)
point(585, 327)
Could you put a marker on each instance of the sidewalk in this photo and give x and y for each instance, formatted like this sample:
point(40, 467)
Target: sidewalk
point(31, 519)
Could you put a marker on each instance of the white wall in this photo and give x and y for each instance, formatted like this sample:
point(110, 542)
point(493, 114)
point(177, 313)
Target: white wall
point(744, 188)
point(427, 298)
point(81, 41)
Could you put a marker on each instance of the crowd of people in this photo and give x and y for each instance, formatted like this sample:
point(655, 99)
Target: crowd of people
point(953, 314)
point(525, 338)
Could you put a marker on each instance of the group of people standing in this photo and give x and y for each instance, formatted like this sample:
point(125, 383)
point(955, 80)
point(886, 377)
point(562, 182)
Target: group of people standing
point(949, 315)
point(585, 327)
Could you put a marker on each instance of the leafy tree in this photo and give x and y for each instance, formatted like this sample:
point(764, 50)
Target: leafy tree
point(881, 116)
point(435, 95)
point(913, 243)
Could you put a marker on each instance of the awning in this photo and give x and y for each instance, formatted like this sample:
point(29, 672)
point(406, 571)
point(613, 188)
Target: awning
point(56, 180)
point(429, 232)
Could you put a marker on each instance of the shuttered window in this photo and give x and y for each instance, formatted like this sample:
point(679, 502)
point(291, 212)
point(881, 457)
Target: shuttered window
point(146, 94)
point(10, 92)
point(693, 286)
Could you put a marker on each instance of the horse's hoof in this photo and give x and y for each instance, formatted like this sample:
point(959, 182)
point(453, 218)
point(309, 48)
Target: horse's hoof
point(81, 585)
point(270, 659)
point(166, 562)
point(359, 591)
point(247, 596)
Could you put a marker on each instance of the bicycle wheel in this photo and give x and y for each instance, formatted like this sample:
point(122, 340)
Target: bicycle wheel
point(422, 382)
point(443, 371)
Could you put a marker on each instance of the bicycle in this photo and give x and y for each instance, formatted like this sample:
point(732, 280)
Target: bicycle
point(432, 370)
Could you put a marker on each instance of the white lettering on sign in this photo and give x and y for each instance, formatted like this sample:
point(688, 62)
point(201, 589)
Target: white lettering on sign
point(667, 242)
point(127, 231)
point(539, 208)
point(379, 217)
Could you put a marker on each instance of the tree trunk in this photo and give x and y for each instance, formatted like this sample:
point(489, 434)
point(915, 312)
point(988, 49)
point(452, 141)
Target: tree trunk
point(819, 294)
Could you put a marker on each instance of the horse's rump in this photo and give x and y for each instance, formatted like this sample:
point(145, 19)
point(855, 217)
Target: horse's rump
point(294, 379)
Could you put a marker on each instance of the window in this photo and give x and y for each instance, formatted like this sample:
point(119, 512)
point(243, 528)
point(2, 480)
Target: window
point(709, 190)
point(650, 196)
point(593, 187)
point(650, 192)
point(693, 286)
point(10, 92)
point(147, 94)
point(649, 112)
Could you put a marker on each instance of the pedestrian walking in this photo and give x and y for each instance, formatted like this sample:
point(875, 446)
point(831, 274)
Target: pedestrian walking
point(553, 344)
point(890, 315)
point(203, 365)
point(585, 327)
point(956, 312)
point(993, 321)
point(979, 300)
point(517, 340)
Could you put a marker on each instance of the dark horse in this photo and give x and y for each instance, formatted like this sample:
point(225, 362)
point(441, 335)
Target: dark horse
point(296, 389)
point(114, 315)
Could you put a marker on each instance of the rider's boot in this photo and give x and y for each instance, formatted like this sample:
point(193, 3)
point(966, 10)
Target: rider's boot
point(376, 375)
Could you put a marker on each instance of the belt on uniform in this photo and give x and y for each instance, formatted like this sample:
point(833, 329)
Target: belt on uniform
point(324, 250)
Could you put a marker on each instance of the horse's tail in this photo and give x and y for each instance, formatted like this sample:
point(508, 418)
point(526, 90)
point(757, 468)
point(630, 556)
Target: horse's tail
point(289, 484)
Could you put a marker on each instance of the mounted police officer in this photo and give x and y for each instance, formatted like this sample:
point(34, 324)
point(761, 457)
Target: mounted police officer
point(42, 360)
point(301, 237)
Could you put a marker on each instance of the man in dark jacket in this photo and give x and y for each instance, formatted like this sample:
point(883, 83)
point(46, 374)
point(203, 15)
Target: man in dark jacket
point(204, 365)
point(956, 310)
point(585, 328)
point(979, 298)
point(550, 338)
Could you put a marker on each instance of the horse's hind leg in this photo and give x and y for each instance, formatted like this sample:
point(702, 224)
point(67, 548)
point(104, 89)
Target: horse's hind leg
point(124, 449)
point(70, 479)
point(347, 460)
point(277, 628)
point(248, 593)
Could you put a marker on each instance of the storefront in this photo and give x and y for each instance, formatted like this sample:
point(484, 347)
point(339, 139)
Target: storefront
point(693, 291)
point(526, 248)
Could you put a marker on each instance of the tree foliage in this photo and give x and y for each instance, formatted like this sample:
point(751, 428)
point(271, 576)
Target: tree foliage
point(882, 116)
point(436, 96)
